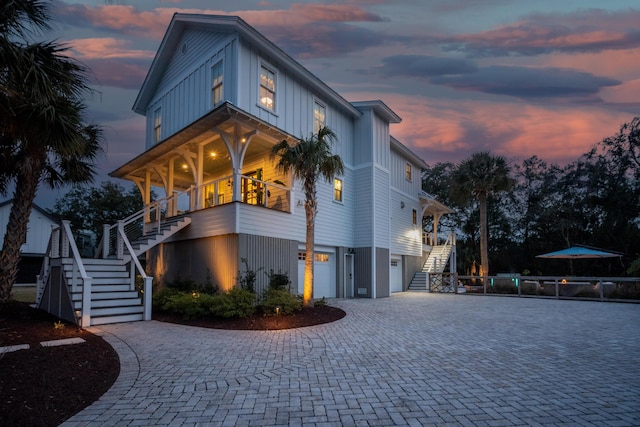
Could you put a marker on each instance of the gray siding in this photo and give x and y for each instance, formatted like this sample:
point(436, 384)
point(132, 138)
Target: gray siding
point(266, 254)
point(195, 259)
point(382, 272)
point(363, 210)
point(381, 208)
point(362, 273)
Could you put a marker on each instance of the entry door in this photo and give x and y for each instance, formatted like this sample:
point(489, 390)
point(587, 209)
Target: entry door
point(395, 275)
point(348, 276)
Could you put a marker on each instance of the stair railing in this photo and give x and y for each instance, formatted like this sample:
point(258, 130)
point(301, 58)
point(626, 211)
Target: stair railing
point(146, 290)
point(146, 221)
point(63, 245)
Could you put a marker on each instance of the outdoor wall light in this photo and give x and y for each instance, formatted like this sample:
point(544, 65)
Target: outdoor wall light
point(401, 205)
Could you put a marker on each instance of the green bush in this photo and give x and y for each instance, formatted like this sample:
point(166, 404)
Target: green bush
point(247, 280)
point(237, 302)
point(278, 280)
point(161, 297)
point(189, 305)
point(282, 298)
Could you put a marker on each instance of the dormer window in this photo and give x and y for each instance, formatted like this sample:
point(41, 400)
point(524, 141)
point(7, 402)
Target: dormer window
point(267, 88)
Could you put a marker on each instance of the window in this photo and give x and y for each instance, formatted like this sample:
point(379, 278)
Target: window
point(302, 256)
point(319, 116)
point(415, 216)
point(321, 257)
point(157, 125)
point(267, 88)
point(337, 190)
point(216, 83)
point(394, 263)
point(407, 172)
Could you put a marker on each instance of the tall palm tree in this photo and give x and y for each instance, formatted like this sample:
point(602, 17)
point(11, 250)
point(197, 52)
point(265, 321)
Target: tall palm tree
point(309, 160)
point(43, 138)
point(477, 178)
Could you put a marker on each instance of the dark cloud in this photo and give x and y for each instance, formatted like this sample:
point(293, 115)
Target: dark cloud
point(424, 66)
point(526, 82)
point(125, 74)
point(578, 32)
point(321, 40)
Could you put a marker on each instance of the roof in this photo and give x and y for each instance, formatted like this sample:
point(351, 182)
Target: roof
point(380, 108)
point(405, 151)
point(232, 25)
point(53, 218)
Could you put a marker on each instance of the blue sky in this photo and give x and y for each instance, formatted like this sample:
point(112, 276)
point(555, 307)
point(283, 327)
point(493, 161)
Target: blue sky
point(516, 77)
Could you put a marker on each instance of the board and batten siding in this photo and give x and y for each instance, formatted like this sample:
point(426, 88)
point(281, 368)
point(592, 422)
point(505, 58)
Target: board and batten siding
point(363, 215)
point(397, 169)
point(405, 237)
point(270, 254)
point(381, 207)
point(184, 92)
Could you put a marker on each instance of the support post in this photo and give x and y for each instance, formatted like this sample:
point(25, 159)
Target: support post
point(85, 320)
point(147, 291)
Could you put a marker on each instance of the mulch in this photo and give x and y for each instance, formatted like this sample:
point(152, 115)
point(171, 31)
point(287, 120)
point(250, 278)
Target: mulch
point(46, 386)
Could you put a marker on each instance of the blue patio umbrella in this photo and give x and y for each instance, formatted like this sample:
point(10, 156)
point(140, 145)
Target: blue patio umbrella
point(578, 252)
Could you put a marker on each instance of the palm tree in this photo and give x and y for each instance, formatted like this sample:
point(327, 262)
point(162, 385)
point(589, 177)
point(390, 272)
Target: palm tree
point(477, 178)
point(309, 160)
point(43, 138)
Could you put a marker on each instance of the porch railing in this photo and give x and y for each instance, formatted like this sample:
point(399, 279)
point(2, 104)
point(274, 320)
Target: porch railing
point(430, 240)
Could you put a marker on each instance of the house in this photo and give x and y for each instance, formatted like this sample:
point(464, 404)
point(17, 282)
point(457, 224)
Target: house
point(217, 97)
point(35, 245)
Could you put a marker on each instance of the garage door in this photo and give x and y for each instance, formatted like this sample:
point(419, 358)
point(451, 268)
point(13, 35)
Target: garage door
point(324, 277)
point(395, 275)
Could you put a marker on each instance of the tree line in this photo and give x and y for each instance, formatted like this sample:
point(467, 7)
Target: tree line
point(534, 207)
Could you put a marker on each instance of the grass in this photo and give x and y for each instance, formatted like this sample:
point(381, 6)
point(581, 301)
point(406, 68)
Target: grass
point(24, 294)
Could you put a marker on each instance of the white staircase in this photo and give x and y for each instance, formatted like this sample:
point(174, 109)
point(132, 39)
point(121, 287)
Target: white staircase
point(114, 298)
point(168, 228)
point(102, 290)
point(433, 267)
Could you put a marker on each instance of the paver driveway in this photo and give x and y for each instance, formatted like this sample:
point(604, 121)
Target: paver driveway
point(412, 359)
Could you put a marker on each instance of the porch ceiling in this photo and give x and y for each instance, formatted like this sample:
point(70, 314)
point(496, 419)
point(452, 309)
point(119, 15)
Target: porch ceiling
point(203, 132)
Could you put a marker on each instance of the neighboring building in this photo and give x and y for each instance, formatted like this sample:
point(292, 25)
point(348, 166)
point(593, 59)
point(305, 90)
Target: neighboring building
point(33, 250)
point(217, 98)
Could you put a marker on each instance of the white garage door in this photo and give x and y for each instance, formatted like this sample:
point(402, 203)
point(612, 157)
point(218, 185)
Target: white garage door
point(395, 275)
point(324, 276)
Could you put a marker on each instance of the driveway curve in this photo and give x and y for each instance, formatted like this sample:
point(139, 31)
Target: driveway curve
point(411, 359)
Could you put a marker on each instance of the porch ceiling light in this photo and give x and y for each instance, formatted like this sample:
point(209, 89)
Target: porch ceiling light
point(213, 154)
point(185, 167)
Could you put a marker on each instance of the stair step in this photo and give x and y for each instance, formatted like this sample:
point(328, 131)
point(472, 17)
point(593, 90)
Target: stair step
point(107, 295)
point(95, 321)
point(116, 310)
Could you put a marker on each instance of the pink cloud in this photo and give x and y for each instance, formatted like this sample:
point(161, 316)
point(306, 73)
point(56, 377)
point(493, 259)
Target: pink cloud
point(451, 130)
point(104, 48)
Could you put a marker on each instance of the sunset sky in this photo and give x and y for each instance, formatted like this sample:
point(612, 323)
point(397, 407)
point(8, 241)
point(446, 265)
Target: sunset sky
point(517, 77)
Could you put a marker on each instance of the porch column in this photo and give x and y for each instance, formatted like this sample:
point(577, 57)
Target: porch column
point(146, 196)
point(197, 198)
point(169, 189)
point(436, 220)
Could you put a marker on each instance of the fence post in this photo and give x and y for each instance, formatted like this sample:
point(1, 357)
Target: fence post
point(557, 289)
point(601, 286)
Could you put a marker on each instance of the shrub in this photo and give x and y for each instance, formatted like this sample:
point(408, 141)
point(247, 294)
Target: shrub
point(161, 297)
point(247, 280)
point(278, 280)
point(282, 298)
point(237, 302)
point(189, 305)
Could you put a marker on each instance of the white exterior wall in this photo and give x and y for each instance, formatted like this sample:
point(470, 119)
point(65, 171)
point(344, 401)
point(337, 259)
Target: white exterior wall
point(406, 238)
point(38, 230)
point(363, 223)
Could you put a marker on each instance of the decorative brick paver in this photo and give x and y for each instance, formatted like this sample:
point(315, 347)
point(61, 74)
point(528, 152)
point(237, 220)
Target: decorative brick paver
point(412, 359)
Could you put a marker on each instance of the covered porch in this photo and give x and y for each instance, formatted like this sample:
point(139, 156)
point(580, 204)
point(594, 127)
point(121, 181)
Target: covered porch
point(222, 158)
